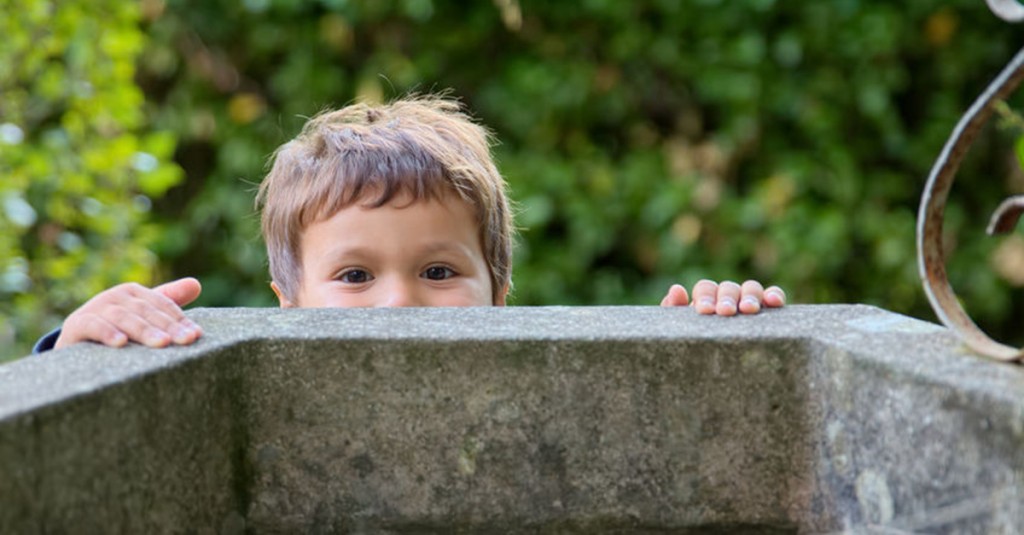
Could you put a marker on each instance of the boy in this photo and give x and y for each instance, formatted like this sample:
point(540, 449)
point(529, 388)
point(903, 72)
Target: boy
point(394, 205)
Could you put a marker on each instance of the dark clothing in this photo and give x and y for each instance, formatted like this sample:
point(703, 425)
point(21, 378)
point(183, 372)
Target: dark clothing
point(47, 342)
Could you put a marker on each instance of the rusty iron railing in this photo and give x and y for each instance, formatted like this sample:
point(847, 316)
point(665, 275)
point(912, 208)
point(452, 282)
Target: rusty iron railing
point(930, 254)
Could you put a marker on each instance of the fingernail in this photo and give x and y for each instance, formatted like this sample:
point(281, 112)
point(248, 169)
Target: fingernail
point(727, 303)
point(119, 339)
point(156, 337)
point(751, 301)
point(707, 302)
point(181, 334)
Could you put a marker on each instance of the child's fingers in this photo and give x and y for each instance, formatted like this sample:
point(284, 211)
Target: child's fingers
point(92, 328)
point(138, 329)
point(751, 296)
point(705, 295)
point(163, 312)
point(728, 298)
point(137, 297)
point(774, 297)
point(161, 319)
point(130, 312)
point(181, 291)
point(676, 297)
point(103, 324)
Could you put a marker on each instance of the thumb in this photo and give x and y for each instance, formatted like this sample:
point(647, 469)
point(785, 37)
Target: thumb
point(181, 291)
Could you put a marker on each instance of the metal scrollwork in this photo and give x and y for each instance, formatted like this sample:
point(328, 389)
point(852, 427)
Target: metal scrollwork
point(930, 254)
point(1009, 10)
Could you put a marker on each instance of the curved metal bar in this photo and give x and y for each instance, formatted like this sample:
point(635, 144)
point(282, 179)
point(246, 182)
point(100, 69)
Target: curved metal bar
point(930, 255)
point(1004, 219)
point(1009, 10)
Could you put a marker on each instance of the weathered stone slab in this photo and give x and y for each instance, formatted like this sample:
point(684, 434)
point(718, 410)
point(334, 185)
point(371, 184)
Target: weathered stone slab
point(552, 420)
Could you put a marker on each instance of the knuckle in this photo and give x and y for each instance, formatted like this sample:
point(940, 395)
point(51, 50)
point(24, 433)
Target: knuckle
point(752, 285)
point(126, 287)
point(119, 315)
point(169, 306)
point(114, 294)
point(92, 328)
point(728, 288)
point(706, 284)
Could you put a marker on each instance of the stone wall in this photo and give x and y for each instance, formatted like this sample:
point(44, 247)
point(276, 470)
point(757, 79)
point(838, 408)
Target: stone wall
point(523, 420)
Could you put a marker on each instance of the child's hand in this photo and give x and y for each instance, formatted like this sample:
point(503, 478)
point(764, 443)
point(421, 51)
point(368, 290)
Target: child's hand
point(727, 298)
point(133, 313)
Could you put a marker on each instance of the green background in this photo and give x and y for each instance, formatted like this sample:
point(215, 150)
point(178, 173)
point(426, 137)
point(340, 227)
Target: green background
point(645, 142)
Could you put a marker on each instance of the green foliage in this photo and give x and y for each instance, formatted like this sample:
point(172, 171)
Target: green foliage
point(78, 171)
point(646, 142)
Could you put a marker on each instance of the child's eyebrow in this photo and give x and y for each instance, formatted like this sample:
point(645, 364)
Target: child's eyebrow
point(343, 252)
point(446, 246)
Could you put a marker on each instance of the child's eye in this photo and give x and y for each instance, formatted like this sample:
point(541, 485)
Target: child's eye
point(355, 276)
point(438, 273)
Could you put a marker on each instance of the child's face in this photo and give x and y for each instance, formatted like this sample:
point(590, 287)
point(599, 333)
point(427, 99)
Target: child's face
point(425, 253)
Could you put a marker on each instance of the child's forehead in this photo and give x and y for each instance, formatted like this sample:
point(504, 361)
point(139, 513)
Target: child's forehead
point(445, 203)
point(372, 227)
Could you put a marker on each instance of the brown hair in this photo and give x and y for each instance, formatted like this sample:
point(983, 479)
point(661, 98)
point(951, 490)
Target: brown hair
point(421, 146)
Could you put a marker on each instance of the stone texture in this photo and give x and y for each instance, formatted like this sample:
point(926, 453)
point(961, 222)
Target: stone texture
point(530, 420)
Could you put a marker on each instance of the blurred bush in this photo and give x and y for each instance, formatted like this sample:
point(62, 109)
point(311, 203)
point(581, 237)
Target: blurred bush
point(79, 167)
point(646, 142)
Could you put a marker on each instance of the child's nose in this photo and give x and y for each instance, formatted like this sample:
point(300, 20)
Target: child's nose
point(401, 293)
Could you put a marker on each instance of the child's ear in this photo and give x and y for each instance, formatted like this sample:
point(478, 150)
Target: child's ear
point(285, 303)
point(499, 301)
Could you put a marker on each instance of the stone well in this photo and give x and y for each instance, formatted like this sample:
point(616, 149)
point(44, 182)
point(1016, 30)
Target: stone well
point(808, 419)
